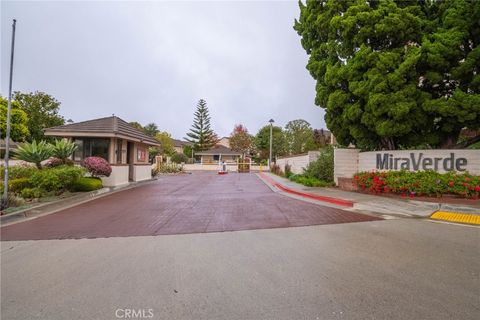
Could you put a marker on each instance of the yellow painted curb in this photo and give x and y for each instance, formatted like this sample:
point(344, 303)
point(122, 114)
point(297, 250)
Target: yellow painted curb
point(456, 217)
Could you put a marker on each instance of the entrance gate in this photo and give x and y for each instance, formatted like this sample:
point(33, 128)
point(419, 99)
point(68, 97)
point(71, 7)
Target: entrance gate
point(243, 165)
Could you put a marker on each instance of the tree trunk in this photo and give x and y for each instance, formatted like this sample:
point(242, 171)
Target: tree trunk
point(387, 143)
point(450, 141)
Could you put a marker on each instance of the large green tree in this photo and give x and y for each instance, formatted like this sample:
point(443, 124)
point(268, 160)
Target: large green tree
point(201, 133)
point(394, 74)
point(299, 136)
point(18, 121)
point(151, 129)
point(262, 142)
point(136, 125)
point(166, 143)
point(42, 111)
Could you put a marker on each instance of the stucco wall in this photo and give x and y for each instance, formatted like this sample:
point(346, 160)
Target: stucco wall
point(142, 172)
point(118, 177)
point(345, 163)
point(298, 162)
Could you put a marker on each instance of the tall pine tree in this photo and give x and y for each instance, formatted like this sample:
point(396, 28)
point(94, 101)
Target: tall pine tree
point(201, 134)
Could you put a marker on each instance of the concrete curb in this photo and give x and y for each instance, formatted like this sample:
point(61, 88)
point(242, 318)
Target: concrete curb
point(62, 204)
point(336, 201)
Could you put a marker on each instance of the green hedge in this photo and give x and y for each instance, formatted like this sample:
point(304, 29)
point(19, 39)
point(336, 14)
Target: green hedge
point(420, 183)
point(18, 184)
point(29, 193)
point(85, 184)
point(16, 172)
point(56, 179)
point(309, 181)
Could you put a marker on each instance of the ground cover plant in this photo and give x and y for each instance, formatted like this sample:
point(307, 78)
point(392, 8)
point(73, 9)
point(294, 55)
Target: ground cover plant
point(420, 183)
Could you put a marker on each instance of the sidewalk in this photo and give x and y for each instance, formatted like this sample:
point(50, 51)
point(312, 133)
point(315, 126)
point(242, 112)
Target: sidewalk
point(46, 208)
point(366, 203)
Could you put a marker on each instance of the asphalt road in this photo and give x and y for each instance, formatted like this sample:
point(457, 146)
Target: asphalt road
point(201, 202)
point(392, 269)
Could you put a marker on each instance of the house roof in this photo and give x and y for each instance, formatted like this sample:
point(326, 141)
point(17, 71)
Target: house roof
point(218, 149)
point(180, 143)
point(103, 127)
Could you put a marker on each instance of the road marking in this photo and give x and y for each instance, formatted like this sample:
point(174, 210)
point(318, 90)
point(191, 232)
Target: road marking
point(456, 217)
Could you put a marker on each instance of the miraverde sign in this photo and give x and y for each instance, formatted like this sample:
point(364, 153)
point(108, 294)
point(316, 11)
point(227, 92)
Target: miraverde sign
point(417, 161)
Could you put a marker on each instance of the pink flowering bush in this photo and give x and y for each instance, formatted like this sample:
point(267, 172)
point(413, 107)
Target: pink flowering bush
point(97, 166)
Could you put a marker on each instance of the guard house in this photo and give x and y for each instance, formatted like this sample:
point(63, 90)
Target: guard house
point(122, 145)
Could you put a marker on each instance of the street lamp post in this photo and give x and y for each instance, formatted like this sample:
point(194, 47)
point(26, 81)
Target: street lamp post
point(7, 133)
point(270, 157)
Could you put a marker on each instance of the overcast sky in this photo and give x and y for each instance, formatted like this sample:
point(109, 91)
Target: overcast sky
point(152, 61)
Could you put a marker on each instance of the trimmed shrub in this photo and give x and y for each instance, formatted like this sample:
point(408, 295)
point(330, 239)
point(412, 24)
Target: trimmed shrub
point(17, 185)
point(55, 179)
point(419, 183)
point(309, 181)
point(179, 158)
point(322, 168)
point(30, 193)
point(97, 166)
point(85, 184)
point(21, 171)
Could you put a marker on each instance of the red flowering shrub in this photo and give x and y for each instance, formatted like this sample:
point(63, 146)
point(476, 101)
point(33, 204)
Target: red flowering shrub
point(97, 166)
point(53, 162)
point(420, 183)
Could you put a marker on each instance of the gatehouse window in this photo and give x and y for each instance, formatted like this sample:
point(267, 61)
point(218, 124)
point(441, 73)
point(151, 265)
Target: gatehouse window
point(91, 147)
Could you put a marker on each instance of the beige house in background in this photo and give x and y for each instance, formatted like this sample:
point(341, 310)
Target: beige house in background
point(179, 144)
point(225, 141)
point(122, 145)
point(217, 154)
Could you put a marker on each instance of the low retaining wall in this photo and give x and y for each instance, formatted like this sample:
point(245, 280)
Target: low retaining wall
point(142, 172)
point(298, 162)
point(119, 176)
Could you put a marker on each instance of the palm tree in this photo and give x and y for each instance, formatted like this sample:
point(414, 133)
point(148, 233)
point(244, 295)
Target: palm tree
point(63, 149)
point(34, 152)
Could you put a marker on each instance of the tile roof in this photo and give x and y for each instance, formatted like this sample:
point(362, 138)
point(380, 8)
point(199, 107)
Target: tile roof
point(180, 143)
point(218, 149)
point(110, 126)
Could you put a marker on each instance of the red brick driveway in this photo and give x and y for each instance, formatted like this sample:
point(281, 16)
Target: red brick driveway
point(200, 202)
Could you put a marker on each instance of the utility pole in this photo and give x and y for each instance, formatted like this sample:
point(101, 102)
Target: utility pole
point(7, 134)
point(270, 157)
